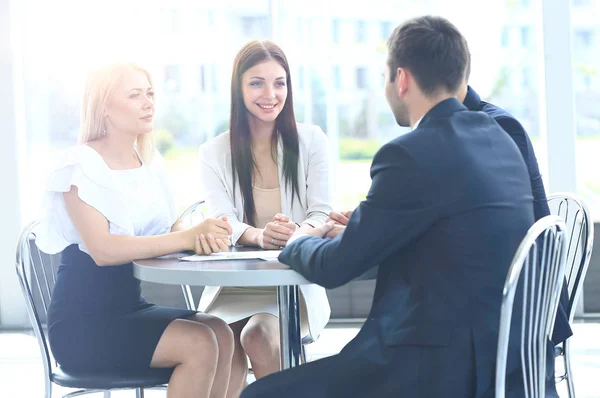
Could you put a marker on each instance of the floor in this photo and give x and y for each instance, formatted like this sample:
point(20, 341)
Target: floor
point(21, 373)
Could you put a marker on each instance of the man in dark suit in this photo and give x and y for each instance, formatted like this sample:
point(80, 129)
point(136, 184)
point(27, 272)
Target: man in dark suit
point(470, 99)
point(515, 130)
point(448, 206)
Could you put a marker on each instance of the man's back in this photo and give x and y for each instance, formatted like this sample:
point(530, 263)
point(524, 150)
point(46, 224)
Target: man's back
point(478, 206)
point(479, 209)
point(518, 134)
point(562, 329)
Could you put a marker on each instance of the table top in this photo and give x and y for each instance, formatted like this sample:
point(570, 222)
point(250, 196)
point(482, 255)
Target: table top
point(170, 270)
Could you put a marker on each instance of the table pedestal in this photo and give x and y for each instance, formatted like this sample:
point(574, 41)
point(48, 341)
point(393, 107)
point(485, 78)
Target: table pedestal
point(289, 326)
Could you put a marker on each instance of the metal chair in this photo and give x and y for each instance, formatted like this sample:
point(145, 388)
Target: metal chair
point(37, 274)
point(580, 241)
point(188, 217)
point(538, 270)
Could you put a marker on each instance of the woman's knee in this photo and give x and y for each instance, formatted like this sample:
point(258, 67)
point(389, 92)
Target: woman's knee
point(220, 328)
point(201, 342)
point(260, 337)
point(184, 341)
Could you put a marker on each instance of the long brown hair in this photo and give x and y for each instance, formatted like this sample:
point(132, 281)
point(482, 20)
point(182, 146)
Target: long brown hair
point(242, 160)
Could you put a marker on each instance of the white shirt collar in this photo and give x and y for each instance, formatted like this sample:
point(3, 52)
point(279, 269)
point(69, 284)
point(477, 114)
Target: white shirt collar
point(417, 123)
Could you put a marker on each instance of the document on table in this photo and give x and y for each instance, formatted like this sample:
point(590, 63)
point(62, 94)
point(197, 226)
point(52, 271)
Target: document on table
point(227, 256)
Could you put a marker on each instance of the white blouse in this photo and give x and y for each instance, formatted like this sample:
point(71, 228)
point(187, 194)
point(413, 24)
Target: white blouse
point(224, 197)
point(136, 202)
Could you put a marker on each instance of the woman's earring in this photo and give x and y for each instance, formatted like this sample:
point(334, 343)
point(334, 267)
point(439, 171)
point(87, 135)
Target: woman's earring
point(103, 130)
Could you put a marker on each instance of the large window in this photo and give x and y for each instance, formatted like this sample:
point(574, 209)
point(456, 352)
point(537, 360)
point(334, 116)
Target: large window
point(337, 53)
point(586, 87)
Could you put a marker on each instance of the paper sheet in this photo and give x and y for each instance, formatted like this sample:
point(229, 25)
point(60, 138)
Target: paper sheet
point(227, 256)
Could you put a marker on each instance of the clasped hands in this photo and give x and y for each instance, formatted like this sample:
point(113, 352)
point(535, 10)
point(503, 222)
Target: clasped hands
point(214, 235)
point(335, 225)
point(209, 236)
point(276, 233)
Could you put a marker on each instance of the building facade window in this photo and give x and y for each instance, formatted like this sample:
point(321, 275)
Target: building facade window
point(583, 38)
point(337, 77)
point(335, 31)
point(386, 29)
point(505, 37)
point(361, 31)
point(361, 78)
point(526, 36)
point(173, 78)
point(202, 78)
point(255, 26)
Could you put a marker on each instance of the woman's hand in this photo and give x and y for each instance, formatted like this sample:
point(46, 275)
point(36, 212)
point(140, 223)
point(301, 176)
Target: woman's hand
point(207, 244)
point(218, 227)
point(275, 235)
point(285, 221)
point(210, 236)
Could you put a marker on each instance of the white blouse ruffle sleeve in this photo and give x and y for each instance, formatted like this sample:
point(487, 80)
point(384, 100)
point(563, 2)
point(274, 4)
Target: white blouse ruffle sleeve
point(108, 191)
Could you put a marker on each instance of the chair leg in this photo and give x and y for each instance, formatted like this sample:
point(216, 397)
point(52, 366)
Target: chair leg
point(48, 389)
point(568, 371)
point(188, 297)
point(139, 393)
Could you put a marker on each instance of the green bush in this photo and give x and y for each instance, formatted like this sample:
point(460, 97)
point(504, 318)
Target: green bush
point(164, 140)
point(355, 149)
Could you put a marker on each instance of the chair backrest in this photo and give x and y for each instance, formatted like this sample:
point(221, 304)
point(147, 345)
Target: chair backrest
point(193, 214)
point(537, 269)
point(580, 241)
point(36, 272)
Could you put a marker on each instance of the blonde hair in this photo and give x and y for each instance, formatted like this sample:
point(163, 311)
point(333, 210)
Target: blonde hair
point(99, 88)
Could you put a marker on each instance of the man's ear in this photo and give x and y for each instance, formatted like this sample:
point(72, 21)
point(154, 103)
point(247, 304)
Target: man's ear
point(402, 77)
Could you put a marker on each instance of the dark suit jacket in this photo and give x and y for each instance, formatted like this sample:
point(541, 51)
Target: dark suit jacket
point(448, 206)
point(562, 329)
point(521, 138)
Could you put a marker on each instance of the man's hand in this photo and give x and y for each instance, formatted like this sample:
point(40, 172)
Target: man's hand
point(340, 217)
point(335, 231)
point(307, 230)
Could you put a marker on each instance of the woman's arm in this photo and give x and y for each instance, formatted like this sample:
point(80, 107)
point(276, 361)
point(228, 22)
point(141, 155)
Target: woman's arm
point(318, 192)
point(107, 249)
point(179, 226)
point(250, 237)
point(218, 200)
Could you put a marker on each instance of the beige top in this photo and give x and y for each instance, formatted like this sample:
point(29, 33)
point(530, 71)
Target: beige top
point(267, 203)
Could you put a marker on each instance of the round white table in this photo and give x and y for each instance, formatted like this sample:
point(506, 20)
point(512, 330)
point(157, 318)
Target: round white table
point(248, 272)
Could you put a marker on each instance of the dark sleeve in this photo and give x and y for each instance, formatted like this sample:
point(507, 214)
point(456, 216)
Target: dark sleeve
point(520, 137)
point(402, 203)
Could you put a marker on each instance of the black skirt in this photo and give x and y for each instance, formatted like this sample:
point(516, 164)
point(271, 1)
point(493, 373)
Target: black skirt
point(98, 320)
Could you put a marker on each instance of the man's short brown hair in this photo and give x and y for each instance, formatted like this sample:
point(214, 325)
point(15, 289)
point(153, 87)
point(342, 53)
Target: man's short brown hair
point(434, 52)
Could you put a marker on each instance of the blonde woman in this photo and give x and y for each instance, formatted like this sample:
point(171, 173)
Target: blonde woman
point(107, 204)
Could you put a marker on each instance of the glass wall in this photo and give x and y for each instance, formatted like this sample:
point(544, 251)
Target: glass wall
point(336, 52)
point(586, 85)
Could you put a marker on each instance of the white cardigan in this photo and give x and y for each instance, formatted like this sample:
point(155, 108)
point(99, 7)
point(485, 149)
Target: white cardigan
point(217, 180)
